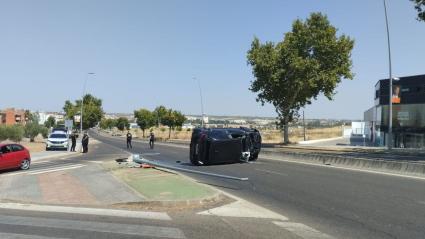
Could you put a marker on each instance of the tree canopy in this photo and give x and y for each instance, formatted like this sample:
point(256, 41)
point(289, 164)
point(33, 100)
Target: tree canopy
point(92, 111)
point(145, 119)
point(122, 123)
point(311, 60)
point(420, 7)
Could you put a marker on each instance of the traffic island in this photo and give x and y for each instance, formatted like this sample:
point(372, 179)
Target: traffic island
point(164, 190)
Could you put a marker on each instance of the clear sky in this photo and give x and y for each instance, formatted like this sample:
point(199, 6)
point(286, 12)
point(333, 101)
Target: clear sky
point(146, 53)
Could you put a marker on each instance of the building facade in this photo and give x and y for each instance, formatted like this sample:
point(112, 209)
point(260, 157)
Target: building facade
point(12, 116)
point(408, 116)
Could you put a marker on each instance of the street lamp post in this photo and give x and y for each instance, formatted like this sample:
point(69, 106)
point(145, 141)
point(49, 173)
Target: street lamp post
point(82, 101)
point(202, 103)
point(390, 104)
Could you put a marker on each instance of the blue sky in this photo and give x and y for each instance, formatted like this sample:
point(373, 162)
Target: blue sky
point(146, 53)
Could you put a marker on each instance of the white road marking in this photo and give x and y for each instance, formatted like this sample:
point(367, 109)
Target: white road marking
point(302, 230)
point(242, 208)
point(127, 229)
point(350, 169)
point(56, 169)
point(40, 162)
point(23, 236)
point(272, 172)
point(87, 211)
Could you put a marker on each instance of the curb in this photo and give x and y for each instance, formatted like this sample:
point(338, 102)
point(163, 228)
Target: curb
point(380, 165)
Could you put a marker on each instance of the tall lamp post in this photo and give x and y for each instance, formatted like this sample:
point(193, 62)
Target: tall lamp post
point(390, 104)
point(82, 101)
point(202, 103)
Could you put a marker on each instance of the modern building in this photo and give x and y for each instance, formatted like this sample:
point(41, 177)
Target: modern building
point(12, 116)
point(408, 116)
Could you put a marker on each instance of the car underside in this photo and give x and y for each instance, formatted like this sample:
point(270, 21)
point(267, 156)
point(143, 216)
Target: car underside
point(224, 145)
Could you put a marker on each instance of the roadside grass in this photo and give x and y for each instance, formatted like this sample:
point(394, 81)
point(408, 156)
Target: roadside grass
point(269, 136)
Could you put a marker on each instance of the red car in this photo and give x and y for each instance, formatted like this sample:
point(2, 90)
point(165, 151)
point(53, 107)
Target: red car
point(14, 156)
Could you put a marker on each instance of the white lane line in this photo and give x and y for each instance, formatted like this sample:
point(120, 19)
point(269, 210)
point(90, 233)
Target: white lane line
point(242, 208)
point(344, 168)
point(302, 230)
point(23, 236)
point(272, 172)
point(56, 169)
point(40, 162)
point(87, 211)
point(127, 229)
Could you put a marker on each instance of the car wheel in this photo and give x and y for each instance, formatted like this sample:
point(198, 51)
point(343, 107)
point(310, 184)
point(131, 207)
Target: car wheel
point(253, 157)
point(25, 164)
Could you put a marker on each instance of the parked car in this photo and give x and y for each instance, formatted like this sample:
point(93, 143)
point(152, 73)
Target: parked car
point(224, 145)
point(57, 140)
point(14, 156)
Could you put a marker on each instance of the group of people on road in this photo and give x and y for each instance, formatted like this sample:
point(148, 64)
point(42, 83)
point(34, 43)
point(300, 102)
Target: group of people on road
point(84, 142)
point(130, 138)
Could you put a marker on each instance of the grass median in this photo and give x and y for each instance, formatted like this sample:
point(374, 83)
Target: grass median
point(158, 185)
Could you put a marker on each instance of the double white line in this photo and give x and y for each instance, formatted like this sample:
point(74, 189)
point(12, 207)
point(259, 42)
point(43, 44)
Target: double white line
point(49, 169)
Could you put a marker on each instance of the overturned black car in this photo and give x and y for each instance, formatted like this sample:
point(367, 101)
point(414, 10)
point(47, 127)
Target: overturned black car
point(224, 145)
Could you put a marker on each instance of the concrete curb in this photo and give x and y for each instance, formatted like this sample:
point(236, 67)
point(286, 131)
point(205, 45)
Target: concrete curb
point(396, 167)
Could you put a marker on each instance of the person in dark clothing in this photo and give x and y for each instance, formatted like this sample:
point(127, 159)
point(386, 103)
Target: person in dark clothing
point(129, 138)
point(151, 140)
point(73, 142)
point(85, 143)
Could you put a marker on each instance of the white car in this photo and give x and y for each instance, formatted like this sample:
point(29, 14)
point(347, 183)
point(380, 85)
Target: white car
point(57, 140)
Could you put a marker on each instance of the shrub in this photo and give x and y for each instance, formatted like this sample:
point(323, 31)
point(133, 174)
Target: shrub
point(3, 132)
point(15, 132)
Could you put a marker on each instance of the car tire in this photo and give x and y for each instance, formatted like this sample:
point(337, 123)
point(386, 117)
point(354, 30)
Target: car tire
point(25, 164)
point(254, 157)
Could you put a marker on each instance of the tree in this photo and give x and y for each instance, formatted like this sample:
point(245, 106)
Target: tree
point(50, 122)
point(173, 119)
point(159, 113)
point(92, 111)
point(420, 7)
point(108, 123)
point(145, 119)
point(309, 61)
point(33, 129)
point(122, 123)
point(169, 120)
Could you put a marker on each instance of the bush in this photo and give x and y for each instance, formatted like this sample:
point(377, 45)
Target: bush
point(32, 130)
point(3, 133)
point(188, 130)
point(15, 132)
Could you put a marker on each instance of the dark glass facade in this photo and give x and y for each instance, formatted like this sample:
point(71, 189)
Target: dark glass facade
point(408, 121)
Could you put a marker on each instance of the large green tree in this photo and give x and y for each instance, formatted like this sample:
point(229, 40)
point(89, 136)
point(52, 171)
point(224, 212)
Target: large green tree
point(92, 111)
point(145, 119)
point(420, 7)
point(311, 60)
point(108, 123)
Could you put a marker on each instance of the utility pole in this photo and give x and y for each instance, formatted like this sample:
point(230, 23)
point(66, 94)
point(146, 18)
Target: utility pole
point(304, 125)
point(82, 101)
point(390, 103)
point(202, 103)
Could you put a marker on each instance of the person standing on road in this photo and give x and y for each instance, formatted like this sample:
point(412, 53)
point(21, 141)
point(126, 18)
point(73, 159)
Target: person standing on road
point(73, 141)
point(129, 138)
point(151, 140)
point(85, 143)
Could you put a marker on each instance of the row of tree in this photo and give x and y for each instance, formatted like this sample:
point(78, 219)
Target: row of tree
point(147, 119)
point(161, 115)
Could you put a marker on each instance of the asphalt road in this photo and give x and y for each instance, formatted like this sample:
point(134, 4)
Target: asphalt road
point(341, 203)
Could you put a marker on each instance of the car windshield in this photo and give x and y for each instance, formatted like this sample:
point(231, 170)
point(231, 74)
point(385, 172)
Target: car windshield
point(58, 136)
